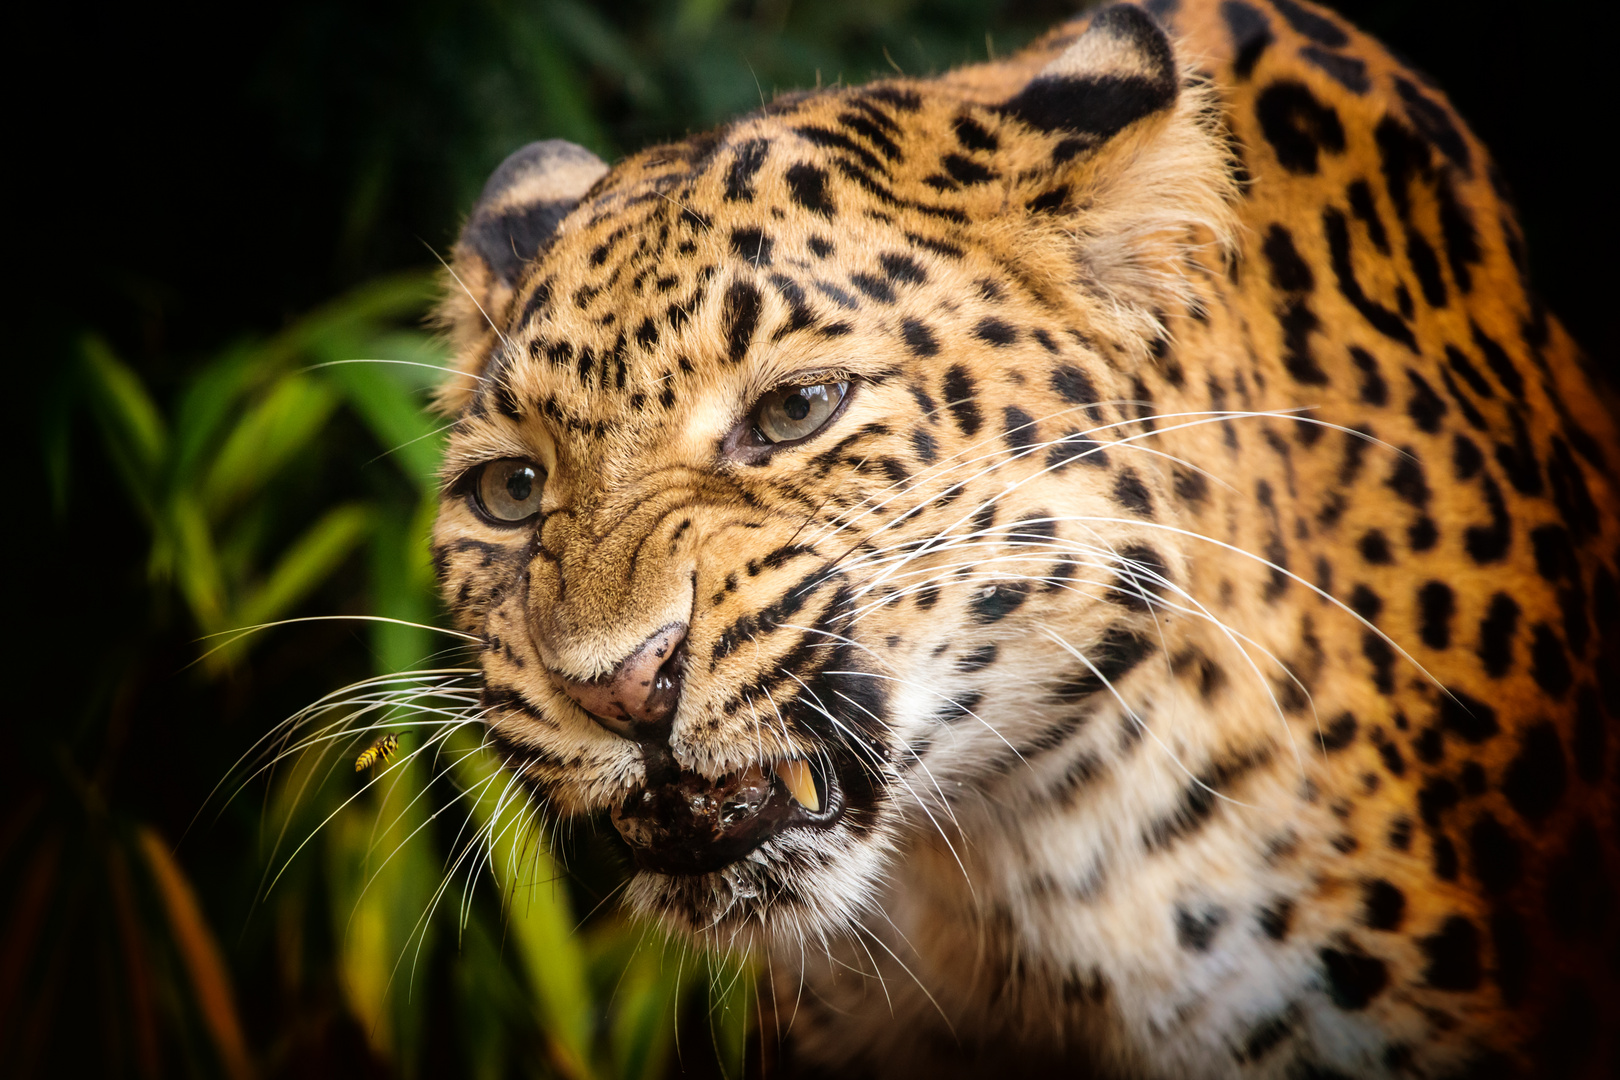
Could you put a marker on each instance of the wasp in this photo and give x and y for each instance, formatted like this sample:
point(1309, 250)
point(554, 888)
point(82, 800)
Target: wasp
point(377, 752)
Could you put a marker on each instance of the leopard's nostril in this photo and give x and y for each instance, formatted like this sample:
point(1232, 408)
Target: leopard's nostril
point(638, 698)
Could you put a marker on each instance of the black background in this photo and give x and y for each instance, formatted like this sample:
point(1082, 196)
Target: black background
point(189, 176)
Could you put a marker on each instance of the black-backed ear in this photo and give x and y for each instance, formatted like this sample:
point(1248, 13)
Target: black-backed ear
point(514, 220)
point(1117, 72)
point(1141, 182)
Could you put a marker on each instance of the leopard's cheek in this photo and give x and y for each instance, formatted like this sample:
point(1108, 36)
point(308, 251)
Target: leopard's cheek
point(479, 569)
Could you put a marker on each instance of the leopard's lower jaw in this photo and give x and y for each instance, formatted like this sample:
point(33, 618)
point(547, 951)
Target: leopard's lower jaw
point(682, 823)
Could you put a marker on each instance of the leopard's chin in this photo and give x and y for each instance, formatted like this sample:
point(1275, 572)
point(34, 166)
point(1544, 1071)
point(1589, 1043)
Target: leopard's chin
point(784, 851)
point(681, 823)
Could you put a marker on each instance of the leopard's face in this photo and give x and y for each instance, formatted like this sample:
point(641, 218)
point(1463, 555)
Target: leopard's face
point(1103, 557)
point(799, 450)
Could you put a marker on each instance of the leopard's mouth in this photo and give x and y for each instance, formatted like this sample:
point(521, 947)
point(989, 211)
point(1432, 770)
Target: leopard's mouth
point(681, 822)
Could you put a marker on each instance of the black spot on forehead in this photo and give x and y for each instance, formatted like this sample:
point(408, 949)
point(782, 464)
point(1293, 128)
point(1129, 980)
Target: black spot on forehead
point(972, 135)
point(1436, 602)
point(965, 170)
point(1298, 125)
point(1349, 72)
point(807, 186)
point(919, 338)
point(1318, 28)
point(752, 245)
point(1251, 33)
point(1289, 271)
point(745, 164)
point(1074, 385)
point(995, 331)
point(1496, 633)
point(743, 308)
point(873, 286)
point(902, 269)
point(1020, 428)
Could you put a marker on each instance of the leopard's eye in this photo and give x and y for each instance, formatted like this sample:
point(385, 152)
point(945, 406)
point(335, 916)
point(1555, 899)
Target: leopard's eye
point(509, 491)
point(790, 413)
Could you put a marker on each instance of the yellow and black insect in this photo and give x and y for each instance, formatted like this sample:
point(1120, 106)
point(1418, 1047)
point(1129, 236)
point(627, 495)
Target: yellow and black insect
point(377, 752)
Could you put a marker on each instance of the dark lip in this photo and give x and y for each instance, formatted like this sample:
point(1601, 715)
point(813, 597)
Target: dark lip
point(680, 822)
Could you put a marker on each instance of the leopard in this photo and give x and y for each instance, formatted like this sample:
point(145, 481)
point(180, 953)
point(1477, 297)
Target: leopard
point(1096, 563)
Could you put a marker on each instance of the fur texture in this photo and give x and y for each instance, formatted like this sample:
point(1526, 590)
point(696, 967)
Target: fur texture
point(1201, 608)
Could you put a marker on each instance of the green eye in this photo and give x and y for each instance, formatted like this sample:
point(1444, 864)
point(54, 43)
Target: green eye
point(509, 491)
point(790, 413)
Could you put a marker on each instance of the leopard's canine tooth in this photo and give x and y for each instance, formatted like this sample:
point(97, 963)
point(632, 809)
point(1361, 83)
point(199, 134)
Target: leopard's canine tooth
point(800, 782)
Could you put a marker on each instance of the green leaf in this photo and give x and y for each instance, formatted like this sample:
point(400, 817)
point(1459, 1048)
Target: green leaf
point(696, 17)
point(131, 425)
point(731, 1010)
point(206, 405)
point(356, 314)
point(648, 982)
point(540, 919)
point(305, 565)
point(394, 414)
point(289, 418)
point(186, 549)
point(402, 587)
point(383, 871)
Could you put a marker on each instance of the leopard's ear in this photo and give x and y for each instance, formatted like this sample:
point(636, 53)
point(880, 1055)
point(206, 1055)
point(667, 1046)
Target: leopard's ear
point(1119, 71)
point(514, 220)
point(1141, 180)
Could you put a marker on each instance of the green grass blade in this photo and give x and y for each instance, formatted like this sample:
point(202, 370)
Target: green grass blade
point(356, 314)
point(540, 919)
point(131, 425)
point(205, 407)
point(402, 587)
point(395, 415)
point(305, 565)
point(287, 420)
point(187, 549)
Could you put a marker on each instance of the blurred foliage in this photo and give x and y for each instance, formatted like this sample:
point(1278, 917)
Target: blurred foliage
point(222, 446)
point(392, 860)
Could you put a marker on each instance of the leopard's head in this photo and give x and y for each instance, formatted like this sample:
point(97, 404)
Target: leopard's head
point(788, 459)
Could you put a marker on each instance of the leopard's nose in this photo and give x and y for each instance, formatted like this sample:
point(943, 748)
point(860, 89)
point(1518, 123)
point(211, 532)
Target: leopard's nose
point(637, 699)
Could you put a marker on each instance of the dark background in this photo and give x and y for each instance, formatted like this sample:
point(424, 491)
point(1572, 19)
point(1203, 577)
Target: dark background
point(193, 176)
point(186, 179)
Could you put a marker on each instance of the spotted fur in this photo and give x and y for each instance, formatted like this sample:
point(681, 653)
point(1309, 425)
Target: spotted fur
point(1205, 597)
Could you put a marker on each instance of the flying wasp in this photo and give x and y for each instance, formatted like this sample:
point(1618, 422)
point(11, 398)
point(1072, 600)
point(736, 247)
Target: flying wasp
point(377, 752)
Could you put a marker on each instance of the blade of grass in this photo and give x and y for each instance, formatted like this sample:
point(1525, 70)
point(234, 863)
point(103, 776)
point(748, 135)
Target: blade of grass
point(355, 314)
point(305, 564)
point(200, 954)
point(397, 418)
point(136, 968)
point(187, 548)
point(287, 420)
point(540, 920)
point(131, 425)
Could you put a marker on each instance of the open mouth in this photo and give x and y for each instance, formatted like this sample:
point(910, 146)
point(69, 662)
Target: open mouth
point(684, 823)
